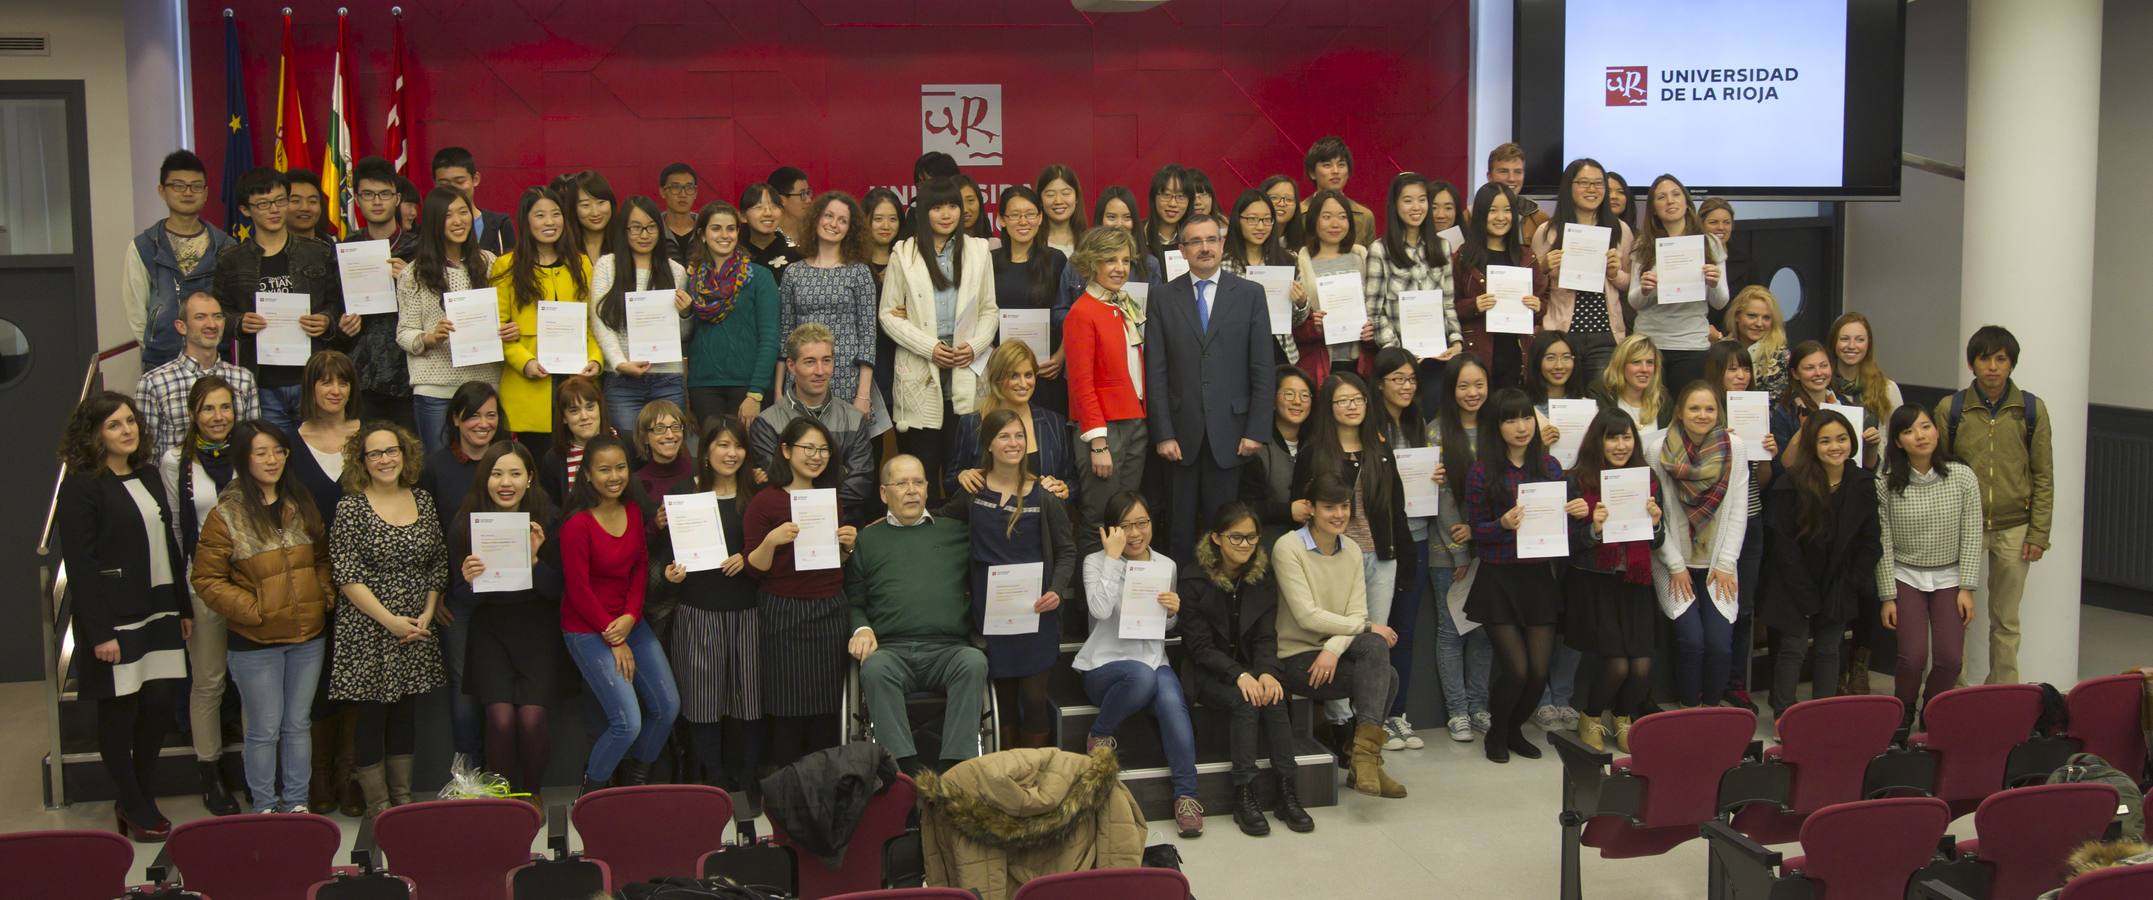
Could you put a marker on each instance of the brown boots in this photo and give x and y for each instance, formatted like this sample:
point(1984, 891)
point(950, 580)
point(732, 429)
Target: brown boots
point(1855, 680)
point(374, 787)
point(1367, 774)
point(397, 770)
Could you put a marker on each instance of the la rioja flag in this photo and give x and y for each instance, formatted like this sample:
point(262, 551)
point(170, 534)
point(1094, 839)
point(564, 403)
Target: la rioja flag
point(337, 151)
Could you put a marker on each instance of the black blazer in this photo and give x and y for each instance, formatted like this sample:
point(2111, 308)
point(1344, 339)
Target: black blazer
point(107, 552)
point(496, 233)
point(1215, 651)
point(1209, 388)
point(1792, 591)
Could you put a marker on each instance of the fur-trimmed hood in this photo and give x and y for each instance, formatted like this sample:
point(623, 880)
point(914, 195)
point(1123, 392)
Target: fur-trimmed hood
point(1207, 557)
point(1019, 799)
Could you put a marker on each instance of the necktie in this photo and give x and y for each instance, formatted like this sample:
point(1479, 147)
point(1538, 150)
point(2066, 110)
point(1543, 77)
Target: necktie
point(1203, 304)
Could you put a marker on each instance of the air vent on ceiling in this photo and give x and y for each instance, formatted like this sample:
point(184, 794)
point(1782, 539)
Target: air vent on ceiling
point(25, 44)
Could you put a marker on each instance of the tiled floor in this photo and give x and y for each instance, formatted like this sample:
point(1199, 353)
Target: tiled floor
point(1469, 830)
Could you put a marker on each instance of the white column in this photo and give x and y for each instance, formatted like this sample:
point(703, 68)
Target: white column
point(2033, 76)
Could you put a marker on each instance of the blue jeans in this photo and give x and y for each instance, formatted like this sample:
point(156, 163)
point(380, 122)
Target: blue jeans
point(432, 416)
point(1404, 615)
point(1562, 677)
point(1462, 664)
point(631, 728)
point(626, 396)
point(1704, 648)
point(280, 407)
point(465, 737)
point(276, 692)
point(1125, 687)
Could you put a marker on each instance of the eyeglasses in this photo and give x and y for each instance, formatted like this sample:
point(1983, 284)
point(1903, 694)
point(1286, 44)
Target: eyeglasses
point(679, 188)
point(267, 205)
point(1136, 523)
point(377, 196)
point(1559, 357)
point(1258, 220)
point(1026, 218)
point(907, 484)
point(812, 451)
point(384, 453)
point(1242, 539)
point(1400, 380)
point(674, 428)
point(642, 230)
point(1590, 185)
point(1175, 196)
point(186, 187)
point(1211, 241)
point(1298, 396)
point(801, 194)
point(1349, 402)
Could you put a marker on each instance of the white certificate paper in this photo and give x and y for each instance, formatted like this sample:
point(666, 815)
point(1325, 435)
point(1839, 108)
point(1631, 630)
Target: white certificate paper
point(1853, 416)
point(1012, 590)
point(476, 314)
point(1679, 262)
point(1571, 419)
point(1032, 326)
point(283, 342)
point(653, 328)
point(1177, 265)
point(1510, 285)
point(503, 542)
point(1545, 531)
point(1749, 416)
point(1345, 307)
point(1584, 258)
point(1454, 237)
point(1277, 284)
point(563, 337)
point(1416, 470)
point(698, 536)
point(1623, 492)
point(364, 268)
point(1142, 618)
point(815, 511)
point(1420, 323)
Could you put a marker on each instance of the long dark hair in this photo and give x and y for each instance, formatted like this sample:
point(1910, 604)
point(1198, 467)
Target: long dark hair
point(990, 425)
point(1726, 355)
point(82, 446)
point(1410, 427)
point(593, 185)
point(582, 496)
point(1566, 211)
point(523, 261)
point(1474, 255)
point(876, 197)
point(1812, 488)
point(1458, 450)
point(1156, 235)
point(1646, 250)
point(1326, 455)
point(935, 193)
point(979, 227)
point(1041, 276)
point(1536, 383)
point(1395, 228)
point(613, 307)
point(706, 476)
point(430, 263)
point(480, 498)
point(1289, 226)
point(1274, 248)
point(1139, 255)
point(1311, 241)
point(1898, 466)
point(1592, 452)
point(780, 468)
point(294, 495)
point(1508, 405)
point(1077, 221)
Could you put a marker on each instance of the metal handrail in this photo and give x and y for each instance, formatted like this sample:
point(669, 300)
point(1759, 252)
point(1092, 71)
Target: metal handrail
point(89, 377)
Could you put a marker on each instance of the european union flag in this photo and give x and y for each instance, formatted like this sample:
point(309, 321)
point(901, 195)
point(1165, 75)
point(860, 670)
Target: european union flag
point(239, 136)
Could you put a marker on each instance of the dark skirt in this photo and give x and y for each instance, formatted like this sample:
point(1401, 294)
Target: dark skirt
point(1519, 594)
point(1609, 616)
point(803, 653)
point(716, 662)
point(151, 649)
point(514, 654)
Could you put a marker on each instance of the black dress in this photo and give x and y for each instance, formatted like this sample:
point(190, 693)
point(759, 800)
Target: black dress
point(122, 559)
point(1604, 612)
point(1014, 289)
point(514, 653)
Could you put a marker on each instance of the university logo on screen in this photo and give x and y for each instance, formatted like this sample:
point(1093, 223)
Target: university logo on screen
point(1632, 85)
point(962, 120)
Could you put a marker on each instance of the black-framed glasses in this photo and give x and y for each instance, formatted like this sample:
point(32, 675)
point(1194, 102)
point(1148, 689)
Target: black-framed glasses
point(643, 230)
point(1349, 402)
point(378, 196)
point(384, 453)
point(268, 205)
point(669, 428)
point(1241, 538)
point(186, 187)
point(801, 194)
point(812, 451)
point(679, 187)
point(1136, 523)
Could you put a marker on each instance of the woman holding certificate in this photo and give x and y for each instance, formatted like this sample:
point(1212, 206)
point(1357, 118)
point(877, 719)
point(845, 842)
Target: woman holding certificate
point(716, 635)
point(448, 262)
point(1825, 546)
point(796, 561)
point(1017, 523)
point(1496, 258)
point(1029, 275)
point(1593, 319)
point(513, 665)
point(1608, 590)
point(547, 267)
point(1331, 259)
point(1665, 296)
point(1412, 437)
point(1409, 257)
point(1461, 659)
point(633, 378)
point(1130, 593)
point(604, 570)
point(943, 281)
point(1013, 373)
point(732, 328)
point(1514, 598)
point(1727, 366)
point(1704, 468)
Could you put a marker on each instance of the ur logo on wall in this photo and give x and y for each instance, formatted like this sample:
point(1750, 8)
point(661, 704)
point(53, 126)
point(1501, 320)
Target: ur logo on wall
point(1628, 85)
point(962, 120)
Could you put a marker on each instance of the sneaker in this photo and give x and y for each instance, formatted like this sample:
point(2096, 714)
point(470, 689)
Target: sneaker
point(1096, 740)
point(1393, 739)
point(297, 808)
point(1569, 715)
point(1461, 729)
point(1189, 817)
point(1547, 718)
point(1482, 721)
point(1401, 729)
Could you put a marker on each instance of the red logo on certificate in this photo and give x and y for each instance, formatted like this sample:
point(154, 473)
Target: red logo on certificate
point(1626, 85)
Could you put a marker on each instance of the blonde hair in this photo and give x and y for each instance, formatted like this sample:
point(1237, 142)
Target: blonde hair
point(1098, 244)
point(1875, 388)
point(1611, 381)
point(1775, 338)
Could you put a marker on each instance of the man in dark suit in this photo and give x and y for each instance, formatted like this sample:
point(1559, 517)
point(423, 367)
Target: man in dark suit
point(494, 232)
point(1208, 381)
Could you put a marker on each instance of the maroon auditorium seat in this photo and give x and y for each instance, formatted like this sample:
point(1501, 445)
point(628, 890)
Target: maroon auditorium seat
point(1825, 746)
point(2026, 834)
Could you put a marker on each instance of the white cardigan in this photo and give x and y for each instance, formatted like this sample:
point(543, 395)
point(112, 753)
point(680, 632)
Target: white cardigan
point(1733, 516)
point(915, 389)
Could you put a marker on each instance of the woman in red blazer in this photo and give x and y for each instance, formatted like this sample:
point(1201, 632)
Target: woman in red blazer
point(1492, 238)
point(1102, 343)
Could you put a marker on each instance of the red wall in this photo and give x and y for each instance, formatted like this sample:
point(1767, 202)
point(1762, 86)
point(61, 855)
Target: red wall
point(1238, 88)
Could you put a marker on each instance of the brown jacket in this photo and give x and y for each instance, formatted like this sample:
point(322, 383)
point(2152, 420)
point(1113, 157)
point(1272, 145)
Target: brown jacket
point(271, 589)
point(992, 823)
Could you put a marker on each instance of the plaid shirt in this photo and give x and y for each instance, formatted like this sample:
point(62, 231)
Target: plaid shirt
point(162, 397)
point(1384, 280)
point(1493, 543)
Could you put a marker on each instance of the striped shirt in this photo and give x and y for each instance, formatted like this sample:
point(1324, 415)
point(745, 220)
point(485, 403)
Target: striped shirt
point(162, 398)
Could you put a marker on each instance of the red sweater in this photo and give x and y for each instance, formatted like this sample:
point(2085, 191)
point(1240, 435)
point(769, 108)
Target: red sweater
point(1095, 348)
point(605, 575)
point(769, 508)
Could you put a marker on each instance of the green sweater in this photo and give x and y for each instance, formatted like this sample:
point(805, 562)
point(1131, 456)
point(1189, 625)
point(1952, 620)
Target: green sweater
point(908, 582)
point(741, 349)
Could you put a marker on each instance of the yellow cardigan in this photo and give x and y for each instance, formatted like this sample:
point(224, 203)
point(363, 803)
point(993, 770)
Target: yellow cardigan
point(527, 403)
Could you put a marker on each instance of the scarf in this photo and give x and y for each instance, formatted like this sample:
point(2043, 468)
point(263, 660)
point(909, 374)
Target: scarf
point(714, 290)
point(1132, 315)
point(1700, 476)
point(215, 457)
point(1634, 558)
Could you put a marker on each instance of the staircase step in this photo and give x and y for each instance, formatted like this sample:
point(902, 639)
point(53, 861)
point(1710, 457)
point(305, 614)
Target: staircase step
point(1316, 781)
point(87, 782)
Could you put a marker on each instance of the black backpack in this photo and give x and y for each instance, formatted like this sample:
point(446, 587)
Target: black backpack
point(1955, 412)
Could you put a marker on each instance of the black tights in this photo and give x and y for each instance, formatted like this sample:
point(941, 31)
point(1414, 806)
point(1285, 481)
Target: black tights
point(517, 746)
point(130, 732)
point(385, 729)
point(1622, 685)
point(1023, 702)
point(728, 749)
point(792, 737)
point(1522, 655)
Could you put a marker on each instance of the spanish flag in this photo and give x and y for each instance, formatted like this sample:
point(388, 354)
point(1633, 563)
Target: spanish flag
point(291, 122)
point(337, 152)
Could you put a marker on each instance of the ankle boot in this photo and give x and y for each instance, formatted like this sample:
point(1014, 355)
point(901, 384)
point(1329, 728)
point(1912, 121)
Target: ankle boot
point(398, 769)
point(1496, 743)
point(1856, 679)
point(631, 771)
point(1367, 775)
point(1522, 745)
point(373, 788)
point(1246, 814)
point(1622, 733)
point(1289, 806)
point(215, 798)
point(344, 768)
point(1592, 733)
point(589, 786)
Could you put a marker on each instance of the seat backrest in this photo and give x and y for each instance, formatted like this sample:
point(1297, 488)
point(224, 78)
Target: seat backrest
point(1869, 848)
point(913, 893)
point(2107, 716)
point(575, 878)
point(1972, 731)
point(1681, 754)
point(458, 848)
point(1120, 884)
point(66, 865)
point(652, 830)
point(2118, 883)
point(861, 868)
point(255, 857)
point(2027, 833)
point(377, 886)
point(1829, 742)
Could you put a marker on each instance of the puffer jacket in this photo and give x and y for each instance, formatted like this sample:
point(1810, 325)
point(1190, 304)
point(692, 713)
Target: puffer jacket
point(271, 589)
point(993, 823)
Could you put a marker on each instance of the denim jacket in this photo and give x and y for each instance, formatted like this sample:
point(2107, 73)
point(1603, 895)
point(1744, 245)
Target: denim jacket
point(168, 286)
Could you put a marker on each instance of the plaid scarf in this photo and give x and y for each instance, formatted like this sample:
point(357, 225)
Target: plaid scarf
point(713, 290)
point(1700, 476)
point(1634, 558)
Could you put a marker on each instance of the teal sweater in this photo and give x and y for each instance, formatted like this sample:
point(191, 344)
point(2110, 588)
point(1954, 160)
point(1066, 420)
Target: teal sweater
point(908, 583)
point(741, 349)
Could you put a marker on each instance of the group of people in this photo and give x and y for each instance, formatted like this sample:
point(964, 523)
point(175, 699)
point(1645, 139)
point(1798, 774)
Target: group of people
point(307, 531)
